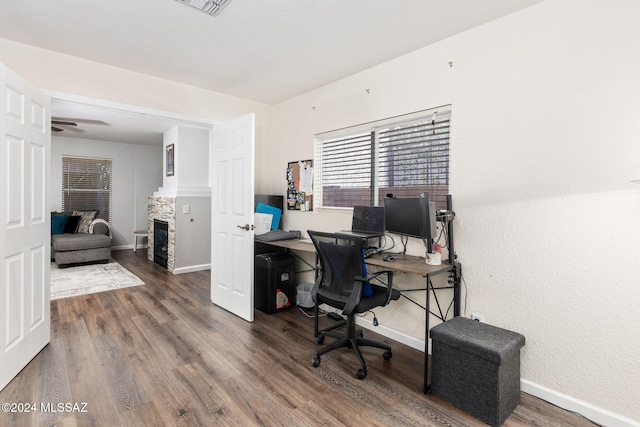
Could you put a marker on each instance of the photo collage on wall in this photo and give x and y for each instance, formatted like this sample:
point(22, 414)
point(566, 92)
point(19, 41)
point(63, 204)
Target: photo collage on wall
point(300, 185)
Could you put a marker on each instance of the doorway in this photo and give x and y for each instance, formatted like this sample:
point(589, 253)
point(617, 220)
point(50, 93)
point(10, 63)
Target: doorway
point(130, 135)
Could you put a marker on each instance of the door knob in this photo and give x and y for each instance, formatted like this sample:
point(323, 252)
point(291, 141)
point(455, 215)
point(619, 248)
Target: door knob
point(246, 227)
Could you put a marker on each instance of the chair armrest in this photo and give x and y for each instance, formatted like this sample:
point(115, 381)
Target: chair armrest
point(389, 286)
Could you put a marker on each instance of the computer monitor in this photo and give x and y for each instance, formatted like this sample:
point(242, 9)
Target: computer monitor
point(428, 227)
point(403, 216)
point(275, 201)
point(368, 220)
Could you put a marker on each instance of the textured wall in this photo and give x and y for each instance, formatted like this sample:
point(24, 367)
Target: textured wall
point(545, 135)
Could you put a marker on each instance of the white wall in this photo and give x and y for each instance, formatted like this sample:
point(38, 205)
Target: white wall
point(136, 173)
point(193, 234)
point(149, 172)
point(190, 161)
point(545, 141)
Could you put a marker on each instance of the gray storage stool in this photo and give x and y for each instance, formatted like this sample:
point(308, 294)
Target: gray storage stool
point(476, 367)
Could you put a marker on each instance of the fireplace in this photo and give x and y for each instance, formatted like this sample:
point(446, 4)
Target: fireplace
point(160, 242)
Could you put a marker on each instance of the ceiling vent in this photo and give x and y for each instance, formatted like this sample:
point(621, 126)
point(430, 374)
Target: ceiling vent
point(211, 7)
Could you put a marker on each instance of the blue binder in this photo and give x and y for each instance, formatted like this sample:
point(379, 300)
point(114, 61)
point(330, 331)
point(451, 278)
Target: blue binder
point(266, 209)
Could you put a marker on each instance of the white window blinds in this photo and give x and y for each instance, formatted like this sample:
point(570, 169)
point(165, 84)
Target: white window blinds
point(404, 156)
point(86, 185)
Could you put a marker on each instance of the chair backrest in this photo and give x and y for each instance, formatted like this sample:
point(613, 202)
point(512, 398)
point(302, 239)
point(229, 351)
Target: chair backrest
point(341, 259)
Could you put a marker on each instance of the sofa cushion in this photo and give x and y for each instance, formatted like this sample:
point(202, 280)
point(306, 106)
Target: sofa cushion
point(72, 224)
point(85, 221)
point(75, 242)
point(58, 223)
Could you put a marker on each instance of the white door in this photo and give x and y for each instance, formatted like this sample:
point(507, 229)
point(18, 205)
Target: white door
point(232, 189)
point(25, 223)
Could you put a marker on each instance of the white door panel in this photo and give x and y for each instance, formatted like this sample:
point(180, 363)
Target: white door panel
point(25, 226)
point(232, 164)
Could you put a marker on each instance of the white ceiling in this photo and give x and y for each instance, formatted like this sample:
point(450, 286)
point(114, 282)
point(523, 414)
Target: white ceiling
point(266, 51)
point(117, 123)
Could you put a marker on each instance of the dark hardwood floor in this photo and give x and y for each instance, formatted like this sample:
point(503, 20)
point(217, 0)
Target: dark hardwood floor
point(162, 354)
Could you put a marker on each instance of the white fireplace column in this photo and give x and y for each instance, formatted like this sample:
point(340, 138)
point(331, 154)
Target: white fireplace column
point(184, 200)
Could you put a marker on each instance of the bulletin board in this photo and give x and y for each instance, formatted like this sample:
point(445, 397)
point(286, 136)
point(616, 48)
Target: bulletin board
point(300, 185)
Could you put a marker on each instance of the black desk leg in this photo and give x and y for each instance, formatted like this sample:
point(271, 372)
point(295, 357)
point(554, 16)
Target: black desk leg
point(426, 385)
point(457, 279)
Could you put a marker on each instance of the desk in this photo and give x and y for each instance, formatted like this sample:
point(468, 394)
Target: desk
point(409, 265)
point(420, 267)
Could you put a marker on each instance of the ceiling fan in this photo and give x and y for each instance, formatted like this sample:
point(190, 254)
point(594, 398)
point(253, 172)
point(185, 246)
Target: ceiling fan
point(61, 123)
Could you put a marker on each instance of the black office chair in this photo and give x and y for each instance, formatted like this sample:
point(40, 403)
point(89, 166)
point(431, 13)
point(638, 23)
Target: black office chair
point(342, 283)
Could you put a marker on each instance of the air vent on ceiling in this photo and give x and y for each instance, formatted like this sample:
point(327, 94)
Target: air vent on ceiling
point(211, 7)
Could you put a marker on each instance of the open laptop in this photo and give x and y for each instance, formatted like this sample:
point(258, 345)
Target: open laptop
point(367, 221)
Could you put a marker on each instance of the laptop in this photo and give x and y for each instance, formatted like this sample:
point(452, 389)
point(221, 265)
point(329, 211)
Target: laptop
point(367, 221)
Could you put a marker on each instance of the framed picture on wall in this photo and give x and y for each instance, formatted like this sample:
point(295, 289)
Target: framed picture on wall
point(170, 163)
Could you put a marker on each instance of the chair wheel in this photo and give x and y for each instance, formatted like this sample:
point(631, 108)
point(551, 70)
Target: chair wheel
point(387, 355)
point(361, 374)
point(315, 361)
point(320, 339)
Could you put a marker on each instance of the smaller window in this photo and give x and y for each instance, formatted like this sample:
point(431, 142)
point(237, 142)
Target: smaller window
point(86, 185)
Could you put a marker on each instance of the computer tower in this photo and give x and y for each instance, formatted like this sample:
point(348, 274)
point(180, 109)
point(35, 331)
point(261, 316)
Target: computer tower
point(274, 282)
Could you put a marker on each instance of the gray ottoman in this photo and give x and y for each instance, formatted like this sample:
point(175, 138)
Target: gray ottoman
point(476, 367)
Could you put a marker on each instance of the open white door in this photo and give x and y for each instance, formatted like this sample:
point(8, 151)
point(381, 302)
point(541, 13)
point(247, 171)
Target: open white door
point(232, 188)
point(25, 230)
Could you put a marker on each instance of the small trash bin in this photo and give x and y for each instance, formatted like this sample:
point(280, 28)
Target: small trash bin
point(303, 295)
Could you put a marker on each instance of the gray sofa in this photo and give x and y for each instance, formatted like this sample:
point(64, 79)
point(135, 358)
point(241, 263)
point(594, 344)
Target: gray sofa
point(88, 242)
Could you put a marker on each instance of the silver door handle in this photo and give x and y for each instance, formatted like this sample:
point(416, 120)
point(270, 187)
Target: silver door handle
point(246, 227)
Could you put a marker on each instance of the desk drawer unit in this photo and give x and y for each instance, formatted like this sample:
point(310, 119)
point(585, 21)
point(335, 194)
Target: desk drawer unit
point(476, 367)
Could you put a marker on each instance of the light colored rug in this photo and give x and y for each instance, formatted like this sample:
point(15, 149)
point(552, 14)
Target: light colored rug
point(89, 279)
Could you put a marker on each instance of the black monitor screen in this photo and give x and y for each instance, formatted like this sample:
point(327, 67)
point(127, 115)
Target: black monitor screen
point(402, 216)
point(271, 200)
point(369, 219)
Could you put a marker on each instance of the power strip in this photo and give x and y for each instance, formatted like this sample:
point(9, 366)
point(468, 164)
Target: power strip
point(335, 316)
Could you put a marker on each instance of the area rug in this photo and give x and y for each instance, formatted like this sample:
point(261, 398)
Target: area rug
point(89, 279)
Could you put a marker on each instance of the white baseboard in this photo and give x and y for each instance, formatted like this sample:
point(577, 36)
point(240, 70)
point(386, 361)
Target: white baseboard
point(596, 414)
point(192, 268)
point(127, 247)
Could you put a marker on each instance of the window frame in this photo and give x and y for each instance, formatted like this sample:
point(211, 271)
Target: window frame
point(436, 179)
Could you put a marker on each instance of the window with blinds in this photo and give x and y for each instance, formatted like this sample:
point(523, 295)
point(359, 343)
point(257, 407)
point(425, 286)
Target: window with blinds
point(403, 156)
point(86, 185)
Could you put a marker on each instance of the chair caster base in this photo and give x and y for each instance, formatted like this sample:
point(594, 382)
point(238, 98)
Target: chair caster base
point(361, 374)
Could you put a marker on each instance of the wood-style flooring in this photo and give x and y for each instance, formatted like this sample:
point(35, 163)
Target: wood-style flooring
point(162, 355)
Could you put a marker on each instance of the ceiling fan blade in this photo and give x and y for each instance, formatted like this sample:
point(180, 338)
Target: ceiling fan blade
point(63, 123)
point(55, 129)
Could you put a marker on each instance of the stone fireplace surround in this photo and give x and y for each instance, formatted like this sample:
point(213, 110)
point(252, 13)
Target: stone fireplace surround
point(163, 209)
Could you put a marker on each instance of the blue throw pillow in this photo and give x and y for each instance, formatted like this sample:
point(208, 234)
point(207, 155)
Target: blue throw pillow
point(367, 291)
point(57, 223)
